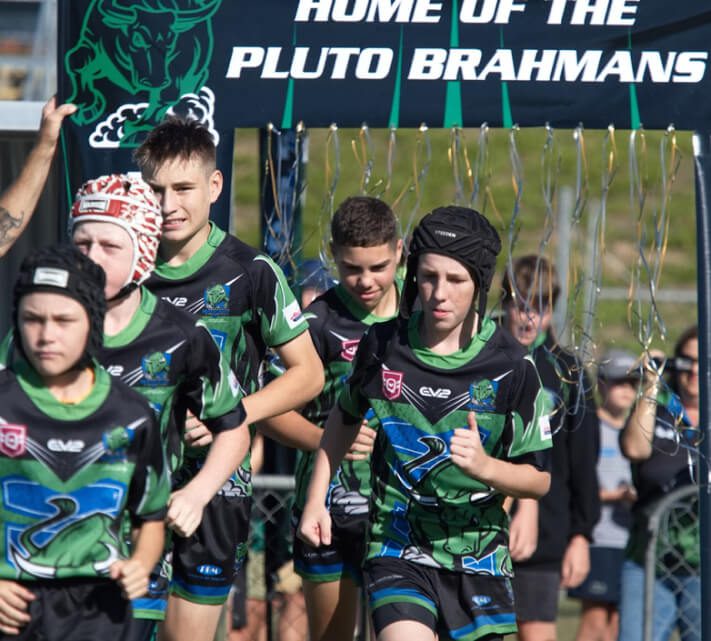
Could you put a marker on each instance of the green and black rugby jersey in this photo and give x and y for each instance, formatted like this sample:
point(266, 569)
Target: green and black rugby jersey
point(240, 294)
point(243, 298)
point(336, 323)
point(73, 475)
point(172, 360)
point(424, 508)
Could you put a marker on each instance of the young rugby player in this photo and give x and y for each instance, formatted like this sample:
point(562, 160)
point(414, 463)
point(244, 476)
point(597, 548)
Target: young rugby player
point(367, 253)
point(80, 462)
point(162, 352)
point(242, 296)
point(461, 424)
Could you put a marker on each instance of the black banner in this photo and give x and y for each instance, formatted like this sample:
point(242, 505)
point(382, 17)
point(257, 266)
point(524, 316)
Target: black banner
point(389, 63)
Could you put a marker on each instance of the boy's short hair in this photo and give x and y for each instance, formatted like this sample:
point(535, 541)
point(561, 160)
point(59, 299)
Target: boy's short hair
point(363, 221)
point(534, 279)
point(176, 138)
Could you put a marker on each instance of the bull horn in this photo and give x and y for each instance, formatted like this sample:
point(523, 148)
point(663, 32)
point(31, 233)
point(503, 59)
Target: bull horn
point(115, 15)
point(187, 18)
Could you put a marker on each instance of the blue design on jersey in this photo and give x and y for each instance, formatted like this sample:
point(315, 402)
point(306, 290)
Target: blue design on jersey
point(424, 450)
point(485, 565)
point(30, 499)
point(219, 337)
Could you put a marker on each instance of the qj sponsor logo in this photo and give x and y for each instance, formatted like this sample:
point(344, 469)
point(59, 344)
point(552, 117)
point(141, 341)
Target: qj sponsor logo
point(392, 384)
point(349, 349)
point(13, 440)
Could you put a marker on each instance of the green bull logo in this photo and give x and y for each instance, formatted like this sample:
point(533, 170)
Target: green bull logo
point(483, 395)
point(157, 52)
point(216, 300)
point(156, 368)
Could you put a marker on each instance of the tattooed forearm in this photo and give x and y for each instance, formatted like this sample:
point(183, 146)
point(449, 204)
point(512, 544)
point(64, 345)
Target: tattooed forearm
point(8, 223)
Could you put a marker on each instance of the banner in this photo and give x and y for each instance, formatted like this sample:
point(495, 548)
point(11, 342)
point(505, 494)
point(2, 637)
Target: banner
point(388, 63)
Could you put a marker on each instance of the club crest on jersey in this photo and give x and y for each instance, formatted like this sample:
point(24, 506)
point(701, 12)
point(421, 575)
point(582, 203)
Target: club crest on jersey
point(155, 368)
point(482, 395)
point(217, 300)
point(116, 441)
point(392, 384)
point(349, 349)
point(13, 439)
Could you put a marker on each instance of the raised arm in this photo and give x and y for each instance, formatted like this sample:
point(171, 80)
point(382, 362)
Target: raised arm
point(638, 433)
point(19, 200)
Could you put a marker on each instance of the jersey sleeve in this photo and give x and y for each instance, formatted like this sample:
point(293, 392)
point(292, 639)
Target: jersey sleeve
point(583, 442)
point(150, 484)
point(210, 389)
point(278, 311)
point(352, 399)
point(529, 424)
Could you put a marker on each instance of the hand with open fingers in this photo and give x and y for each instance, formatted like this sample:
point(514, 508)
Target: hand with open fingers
point(132, 576)
point(315, 525)
point(52, 117)
point(14, 604)
point(196, 433)
point(184, 512)
point(363, 445)
point(466, 450)
point(576, 562)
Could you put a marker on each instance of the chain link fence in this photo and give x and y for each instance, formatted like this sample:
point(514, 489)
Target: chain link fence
point(672, 560)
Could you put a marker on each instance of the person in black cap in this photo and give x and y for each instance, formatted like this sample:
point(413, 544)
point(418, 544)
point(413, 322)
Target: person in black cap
point(460, 424)
point(618, 378)
point(80, 459)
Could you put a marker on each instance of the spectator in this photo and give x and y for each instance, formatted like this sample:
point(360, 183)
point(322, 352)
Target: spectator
point(660, 439)
point(617, 379)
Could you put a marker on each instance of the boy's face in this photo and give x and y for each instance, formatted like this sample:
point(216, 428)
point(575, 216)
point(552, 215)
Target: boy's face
point(110, 247)
point(368, 273)
point(446, 291)
point(526, 321)
point(54, 330)
point(186, 190)
point(618, 395)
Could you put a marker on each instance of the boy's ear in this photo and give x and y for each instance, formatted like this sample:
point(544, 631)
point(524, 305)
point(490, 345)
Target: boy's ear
point(398, 251)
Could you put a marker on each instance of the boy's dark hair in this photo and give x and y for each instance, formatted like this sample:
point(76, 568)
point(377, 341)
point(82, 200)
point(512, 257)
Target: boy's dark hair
point(175, 138)
point(534, 280)
point(363, 221)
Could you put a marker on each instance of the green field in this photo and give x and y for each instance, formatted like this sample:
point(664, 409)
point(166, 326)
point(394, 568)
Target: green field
point(442, 167)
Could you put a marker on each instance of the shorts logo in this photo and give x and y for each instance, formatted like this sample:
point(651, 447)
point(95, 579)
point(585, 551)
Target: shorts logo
point(217, 300)
point(209, 570)
point(349, 349)
point(483, 395)
point(13, 440)
point(481, 600)
point(392, 384)
point(155, 368)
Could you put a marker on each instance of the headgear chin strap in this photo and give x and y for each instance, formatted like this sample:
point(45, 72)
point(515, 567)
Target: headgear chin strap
point(64, 270)
point(460, 233)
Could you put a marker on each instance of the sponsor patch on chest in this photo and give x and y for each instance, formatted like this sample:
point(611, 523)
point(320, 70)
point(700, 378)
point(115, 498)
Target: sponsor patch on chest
point(13, 439)
point(392, 384)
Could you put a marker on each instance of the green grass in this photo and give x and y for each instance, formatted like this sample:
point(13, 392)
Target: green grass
point(554, 161)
